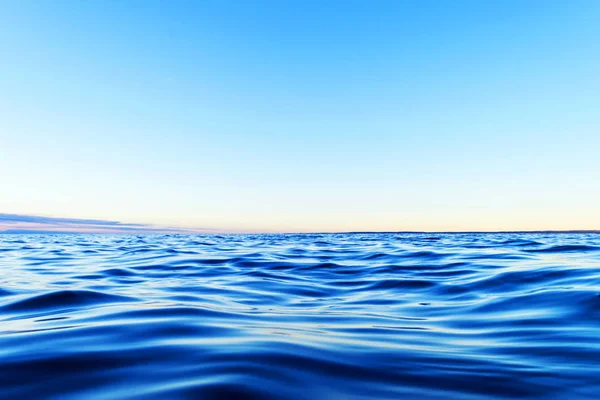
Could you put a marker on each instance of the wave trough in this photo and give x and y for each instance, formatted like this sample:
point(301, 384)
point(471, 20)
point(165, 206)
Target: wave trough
point(311, 316)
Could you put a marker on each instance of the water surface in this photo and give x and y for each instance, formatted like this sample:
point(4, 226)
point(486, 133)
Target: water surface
point(345, 316)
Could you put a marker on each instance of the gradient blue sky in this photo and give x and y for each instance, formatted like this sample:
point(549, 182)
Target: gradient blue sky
point(303, 115)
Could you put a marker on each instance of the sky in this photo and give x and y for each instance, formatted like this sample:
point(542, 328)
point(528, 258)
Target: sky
point(301, 115)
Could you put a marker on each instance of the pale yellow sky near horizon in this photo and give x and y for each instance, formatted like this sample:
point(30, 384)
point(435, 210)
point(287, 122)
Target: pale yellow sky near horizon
point(477, 219)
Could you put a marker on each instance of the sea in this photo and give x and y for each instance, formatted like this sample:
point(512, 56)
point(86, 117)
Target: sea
point(300, 316)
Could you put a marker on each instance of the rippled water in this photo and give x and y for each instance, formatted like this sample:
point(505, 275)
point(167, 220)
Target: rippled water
point(348, 316)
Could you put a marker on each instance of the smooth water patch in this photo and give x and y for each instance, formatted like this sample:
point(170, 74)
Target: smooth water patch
point(331, 316)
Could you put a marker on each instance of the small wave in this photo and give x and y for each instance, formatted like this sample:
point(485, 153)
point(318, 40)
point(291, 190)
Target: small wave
point(567, 248)
point(520, 242)
point(118, 272)
point(402, 284)
point(63, 299)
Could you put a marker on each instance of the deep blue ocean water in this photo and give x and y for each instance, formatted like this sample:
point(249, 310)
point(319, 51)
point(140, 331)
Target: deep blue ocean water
point(341, 316)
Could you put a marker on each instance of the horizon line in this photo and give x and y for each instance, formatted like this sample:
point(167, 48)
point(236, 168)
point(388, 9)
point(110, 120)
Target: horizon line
point(191, 232)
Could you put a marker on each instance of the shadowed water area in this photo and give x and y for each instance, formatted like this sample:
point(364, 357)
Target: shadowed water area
point(344, 316)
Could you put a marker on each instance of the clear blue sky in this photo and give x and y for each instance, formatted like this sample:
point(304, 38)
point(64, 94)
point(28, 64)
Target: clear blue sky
point(303, 115)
